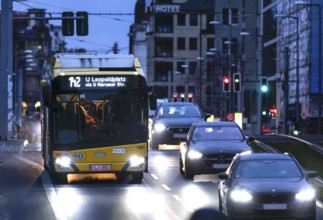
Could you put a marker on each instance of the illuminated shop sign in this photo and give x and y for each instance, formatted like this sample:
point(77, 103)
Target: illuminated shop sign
point(166, 8)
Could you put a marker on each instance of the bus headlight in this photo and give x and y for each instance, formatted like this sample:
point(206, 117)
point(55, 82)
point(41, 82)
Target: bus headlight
point(63, 161)
point(136, 161)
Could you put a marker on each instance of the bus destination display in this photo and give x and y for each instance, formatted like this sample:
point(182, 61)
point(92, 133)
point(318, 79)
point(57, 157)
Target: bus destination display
point(93, 82)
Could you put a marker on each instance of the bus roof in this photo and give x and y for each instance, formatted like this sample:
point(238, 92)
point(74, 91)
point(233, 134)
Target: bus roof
point(93, 60)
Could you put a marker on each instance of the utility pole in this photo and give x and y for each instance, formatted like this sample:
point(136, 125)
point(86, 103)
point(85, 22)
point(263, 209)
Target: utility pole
point(5, 66)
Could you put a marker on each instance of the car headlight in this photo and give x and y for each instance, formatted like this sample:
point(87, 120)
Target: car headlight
point(192, 154)
point(63, 161)
point(159, 127)
point(305, 195)
point(241, 195)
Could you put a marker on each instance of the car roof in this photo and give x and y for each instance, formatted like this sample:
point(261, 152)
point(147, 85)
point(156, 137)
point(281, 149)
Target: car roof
point(177, 104)
point(264, 156)
point(215, 123)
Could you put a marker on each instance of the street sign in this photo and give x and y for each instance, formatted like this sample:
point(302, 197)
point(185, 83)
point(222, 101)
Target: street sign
point(230, 116)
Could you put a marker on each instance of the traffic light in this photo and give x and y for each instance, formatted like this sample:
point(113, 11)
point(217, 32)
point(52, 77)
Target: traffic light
point(190, 97)
point(82, 24)
point(236, 82)
point(226, 84)
point(175, 97)
point(264, 84)
point(182, 97)
point(68, 23)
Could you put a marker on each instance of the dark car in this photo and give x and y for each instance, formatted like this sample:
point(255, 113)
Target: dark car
point(172, 121)
point(210, 147)
point(266, 186)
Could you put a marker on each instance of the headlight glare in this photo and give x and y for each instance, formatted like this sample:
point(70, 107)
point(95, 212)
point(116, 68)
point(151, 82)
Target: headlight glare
point(63, 161)
point(159, 127)
point(136, 161)
point(240, 195)
point(305, 195)
point(192, 154)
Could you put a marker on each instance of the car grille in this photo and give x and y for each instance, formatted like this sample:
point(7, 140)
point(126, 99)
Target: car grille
point(179, 130)
point(219, 158)
point(274, 197)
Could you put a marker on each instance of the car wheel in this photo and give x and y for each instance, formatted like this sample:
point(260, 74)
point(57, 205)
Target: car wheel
point(154, 145)
point(220, 204)
point(181, 166)
point(188, 174)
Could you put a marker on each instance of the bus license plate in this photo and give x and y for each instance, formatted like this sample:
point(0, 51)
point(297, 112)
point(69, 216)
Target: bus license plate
point(100, 167)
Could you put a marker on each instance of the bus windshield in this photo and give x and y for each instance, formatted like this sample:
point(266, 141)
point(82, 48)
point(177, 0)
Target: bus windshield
point(100, 117)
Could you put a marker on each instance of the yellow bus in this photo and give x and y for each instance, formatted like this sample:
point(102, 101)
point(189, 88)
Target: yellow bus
point(94, 115)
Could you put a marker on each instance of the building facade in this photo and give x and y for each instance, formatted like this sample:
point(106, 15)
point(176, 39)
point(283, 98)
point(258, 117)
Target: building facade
point(33, 41)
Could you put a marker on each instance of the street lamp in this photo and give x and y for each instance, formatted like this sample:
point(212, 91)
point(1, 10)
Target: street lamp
point(320, 60)
point(297, 62)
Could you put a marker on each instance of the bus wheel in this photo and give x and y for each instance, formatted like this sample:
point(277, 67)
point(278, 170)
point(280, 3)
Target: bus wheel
point(137, 177)
point(59, 178)
point(121, 176)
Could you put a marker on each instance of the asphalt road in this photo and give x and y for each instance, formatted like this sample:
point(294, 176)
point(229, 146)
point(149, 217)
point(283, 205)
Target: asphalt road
point(26, 191)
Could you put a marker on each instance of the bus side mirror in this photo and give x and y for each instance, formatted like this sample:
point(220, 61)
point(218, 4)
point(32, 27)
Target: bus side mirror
point(46, 93)
point(153, 101)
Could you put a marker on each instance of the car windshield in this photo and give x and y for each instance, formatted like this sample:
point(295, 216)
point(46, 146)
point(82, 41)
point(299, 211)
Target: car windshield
point(179, 112)
point(217, 133)
point(268, 169)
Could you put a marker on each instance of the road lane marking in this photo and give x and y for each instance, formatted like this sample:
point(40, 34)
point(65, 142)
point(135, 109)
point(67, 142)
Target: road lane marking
point(154, 176)
point(166, 187)
point(177, 198)
point(166, 207)
point(48, 187)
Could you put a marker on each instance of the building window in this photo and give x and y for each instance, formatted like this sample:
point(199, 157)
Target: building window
point(180, 67)
point(193, 44)
point(230, 16)
point(192, 68)
point(181, 19)
point(210, 27)
point(193, 19)
point(162, 70)
point(234, 45)
point(180, 89)
point(164, 47)
point(161, 91)
point(181, 43)
point(210, 43)
point(164, 24)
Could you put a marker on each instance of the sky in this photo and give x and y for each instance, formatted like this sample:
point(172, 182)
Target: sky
point(104, 30)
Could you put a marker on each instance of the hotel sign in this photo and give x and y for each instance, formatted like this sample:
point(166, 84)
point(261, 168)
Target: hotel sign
point(166, 9)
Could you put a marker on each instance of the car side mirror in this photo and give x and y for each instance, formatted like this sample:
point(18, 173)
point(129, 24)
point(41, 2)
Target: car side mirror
point(223, 176)
point(251, 138)
point(311, 174)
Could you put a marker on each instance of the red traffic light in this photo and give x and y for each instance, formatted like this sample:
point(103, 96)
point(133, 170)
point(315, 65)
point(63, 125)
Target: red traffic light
point(190, 97)
point(175, 96)
point(226, 84)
